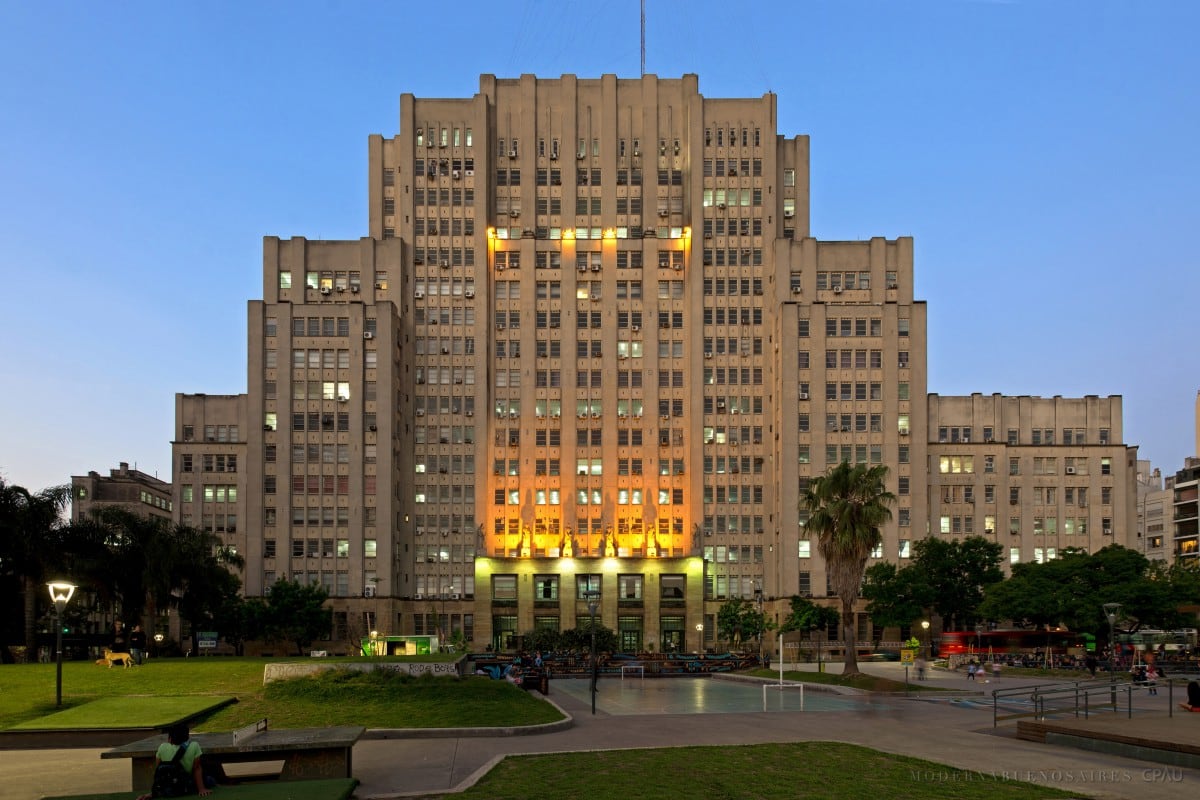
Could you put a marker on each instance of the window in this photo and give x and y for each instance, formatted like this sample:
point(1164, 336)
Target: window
point(545, 588)
point(629, 587)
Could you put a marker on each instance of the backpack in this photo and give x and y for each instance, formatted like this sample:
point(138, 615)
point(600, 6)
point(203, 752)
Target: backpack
point(170, 778)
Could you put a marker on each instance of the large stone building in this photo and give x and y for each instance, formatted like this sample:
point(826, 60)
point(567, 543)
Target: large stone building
point(590, 349)
point(129, 489)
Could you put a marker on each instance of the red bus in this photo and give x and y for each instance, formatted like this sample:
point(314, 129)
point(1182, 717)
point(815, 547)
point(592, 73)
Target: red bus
point(1058, 642)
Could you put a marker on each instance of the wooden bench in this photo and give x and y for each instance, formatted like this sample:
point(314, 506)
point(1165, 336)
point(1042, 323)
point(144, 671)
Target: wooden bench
point(307, 753)
point(328, 789)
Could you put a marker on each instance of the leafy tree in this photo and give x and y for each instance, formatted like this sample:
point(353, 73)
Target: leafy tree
point(739, 619)
point(30, 546)
point(579, 639)
point(807, 616)
point(295, 612)
point(144, 564)
point(955, 574)
point(241, 619)
point(543, 639)
point(847, 506)
point(1072, 590)
point(896, 596)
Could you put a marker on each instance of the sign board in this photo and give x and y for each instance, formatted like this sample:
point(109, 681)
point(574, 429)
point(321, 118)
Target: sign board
point(907, 655)
point(206, 640)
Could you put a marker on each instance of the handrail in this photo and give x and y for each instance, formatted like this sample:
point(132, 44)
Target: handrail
point(1079, 691)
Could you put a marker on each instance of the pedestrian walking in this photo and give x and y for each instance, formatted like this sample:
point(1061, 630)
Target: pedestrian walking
point(971, 671)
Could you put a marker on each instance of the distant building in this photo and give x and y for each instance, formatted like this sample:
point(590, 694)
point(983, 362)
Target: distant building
point(590, 349)
point(1155, 514)
point(209, 446)
point(123, 487)
point(1187, 510)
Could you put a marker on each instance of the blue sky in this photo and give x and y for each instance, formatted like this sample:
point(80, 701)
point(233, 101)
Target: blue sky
point(1042, 154)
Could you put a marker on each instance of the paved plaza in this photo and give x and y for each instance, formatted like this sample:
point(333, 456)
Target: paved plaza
point(956, 732)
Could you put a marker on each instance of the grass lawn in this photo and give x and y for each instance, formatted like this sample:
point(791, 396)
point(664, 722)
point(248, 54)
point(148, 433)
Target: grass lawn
point(762, 772)
point(377, 700)
point(126, 712)
point(869, 683)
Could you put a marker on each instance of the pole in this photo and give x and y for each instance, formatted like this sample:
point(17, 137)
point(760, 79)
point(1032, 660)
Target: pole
point(592, 609)
point(58, 609)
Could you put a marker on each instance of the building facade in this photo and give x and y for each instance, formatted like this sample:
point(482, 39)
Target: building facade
point(590, 350)
point(130, 489)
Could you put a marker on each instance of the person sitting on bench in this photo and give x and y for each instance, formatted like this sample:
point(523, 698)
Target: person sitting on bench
point(1193, 701)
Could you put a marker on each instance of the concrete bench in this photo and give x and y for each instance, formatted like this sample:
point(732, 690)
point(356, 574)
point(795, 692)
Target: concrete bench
point(306, 753)
point(329, 789)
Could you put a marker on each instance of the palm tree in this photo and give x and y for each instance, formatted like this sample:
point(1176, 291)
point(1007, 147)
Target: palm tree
point(847, 506)
point(30, 524)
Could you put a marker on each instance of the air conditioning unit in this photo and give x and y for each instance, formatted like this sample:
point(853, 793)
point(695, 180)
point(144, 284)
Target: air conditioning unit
point(374, 427)
point(662, 212)
point(636, 328)
point(326, 290)
point(379, 285)
point(595, 267)
point(418, 596)
point(354, 287)
point(445, 265)
point(837, 290)
point(455, 596)
point(456, 174)
point(804, 395)
point(903, 365)
point(789, 214)
point(514, 213)
point(341, 288)
point(368, 335)
point(1107, 531)
point(420, 412)
point(1070, 470)
point(678, 267)
point(469, 293)
point(583, 267)
point(368, 591)
point(796, 290)
point(892, 285)
point(420, 295)
point(904, 431)
point(470, 173)
point(470, 413)
point(500, 326)
point(343, 399)
point(721, 206)
point(708, 354)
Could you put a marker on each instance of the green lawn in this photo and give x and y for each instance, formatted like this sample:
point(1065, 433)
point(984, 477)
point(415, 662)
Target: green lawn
point(126, 712)
point(811, 770)
point(376, 700)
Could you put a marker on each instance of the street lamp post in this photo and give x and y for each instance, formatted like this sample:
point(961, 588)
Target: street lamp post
point(928, 644)
point(699, 638)
point(979, 639)
point(1110, 611)
point(60, 595)
point(593, 603)
point(758, 604)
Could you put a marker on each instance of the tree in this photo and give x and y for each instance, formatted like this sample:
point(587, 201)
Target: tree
point(1071, 591)
point(739, 619)
point(847, 506)
point(956, 574)
point(296, 613)
point(30, 532)
point(896, 596)
point(808, 617)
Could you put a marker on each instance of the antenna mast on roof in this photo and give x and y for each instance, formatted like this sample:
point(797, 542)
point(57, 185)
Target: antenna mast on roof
point(643, 38)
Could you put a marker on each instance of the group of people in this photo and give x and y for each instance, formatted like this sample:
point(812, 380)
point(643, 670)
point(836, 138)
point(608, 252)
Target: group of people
point(133, 643)
point(978, 669)
point(1145, 675)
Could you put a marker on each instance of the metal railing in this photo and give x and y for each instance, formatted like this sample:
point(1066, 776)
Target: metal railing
point(1080, 698)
